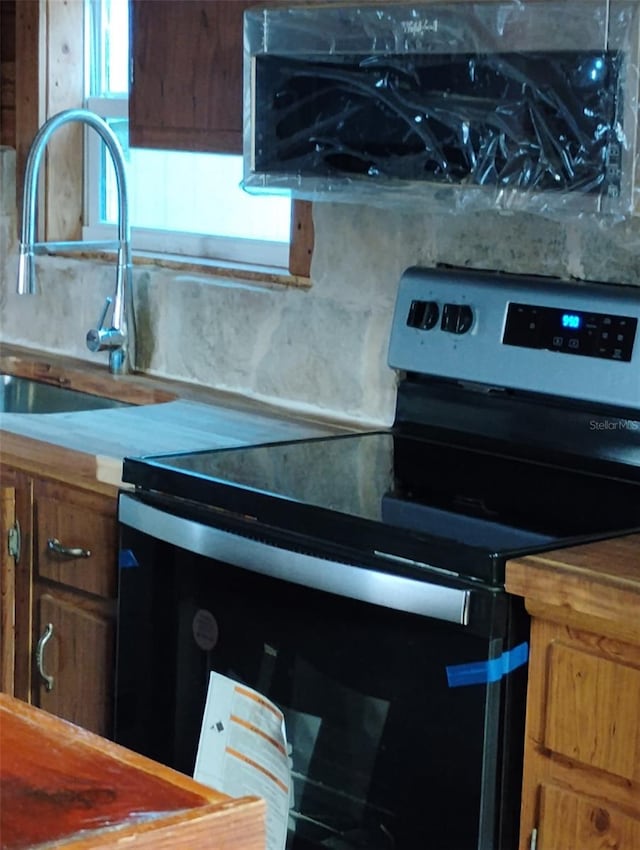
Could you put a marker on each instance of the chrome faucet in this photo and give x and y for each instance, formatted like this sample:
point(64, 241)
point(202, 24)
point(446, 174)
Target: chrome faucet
point(119, 337)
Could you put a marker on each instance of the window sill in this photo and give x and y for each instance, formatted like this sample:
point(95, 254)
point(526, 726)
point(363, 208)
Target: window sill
point(221, 268)
point(193, 265)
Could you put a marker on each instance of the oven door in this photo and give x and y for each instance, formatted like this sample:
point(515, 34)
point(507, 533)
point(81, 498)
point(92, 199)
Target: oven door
point(386, 752)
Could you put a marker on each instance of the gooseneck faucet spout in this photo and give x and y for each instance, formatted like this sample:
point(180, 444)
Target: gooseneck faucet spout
point(116, 336)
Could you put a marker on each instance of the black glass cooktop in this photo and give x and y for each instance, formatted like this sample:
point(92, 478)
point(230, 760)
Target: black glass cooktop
point(419, 500)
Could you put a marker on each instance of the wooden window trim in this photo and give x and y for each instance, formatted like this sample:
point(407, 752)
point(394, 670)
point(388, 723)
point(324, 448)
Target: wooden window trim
point(302, 239)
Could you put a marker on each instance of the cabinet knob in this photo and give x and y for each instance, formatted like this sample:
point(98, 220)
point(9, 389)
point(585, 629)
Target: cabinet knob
point(54, 545)
point(45, 637)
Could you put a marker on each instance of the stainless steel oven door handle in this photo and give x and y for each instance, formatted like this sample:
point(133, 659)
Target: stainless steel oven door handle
point(426, 598)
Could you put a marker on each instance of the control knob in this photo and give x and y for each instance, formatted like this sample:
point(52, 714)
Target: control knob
point(423, 315)
point(456, 318)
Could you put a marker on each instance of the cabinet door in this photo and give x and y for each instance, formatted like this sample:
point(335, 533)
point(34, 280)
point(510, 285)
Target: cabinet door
point(186, 89)
point(74, 661)
point(581, 783)
point(592, 709)
point(15, 583)
point(574, 822)
point(7, 589)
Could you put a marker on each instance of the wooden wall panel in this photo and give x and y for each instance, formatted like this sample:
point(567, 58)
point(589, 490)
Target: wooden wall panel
point(64, 90)
point(29, 84)
point(8, 73)
point(49, 77)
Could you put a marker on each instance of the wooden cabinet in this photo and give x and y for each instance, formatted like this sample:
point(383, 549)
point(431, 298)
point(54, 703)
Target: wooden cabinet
point(64, 599)
point(75, 542)
point(581, 784)
point(582, 750)
point(186, 86)
point(571, 821)
point(187, 60)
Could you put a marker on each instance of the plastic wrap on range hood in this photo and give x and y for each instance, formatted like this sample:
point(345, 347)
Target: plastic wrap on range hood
point(456, 106)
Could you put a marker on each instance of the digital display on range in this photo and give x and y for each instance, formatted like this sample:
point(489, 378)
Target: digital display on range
point(571, 320)
point(579, 332)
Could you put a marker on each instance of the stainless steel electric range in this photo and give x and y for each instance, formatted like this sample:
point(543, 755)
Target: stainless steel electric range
point(358, 580)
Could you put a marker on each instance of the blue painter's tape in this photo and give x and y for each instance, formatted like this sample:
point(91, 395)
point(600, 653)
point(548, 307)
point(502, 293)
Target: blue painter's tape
point(127, 559)
point(483, 672)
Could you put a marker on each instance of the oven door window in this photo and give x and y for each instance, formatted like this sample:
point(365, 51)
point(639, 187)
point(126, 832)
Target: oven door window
point(386, 756)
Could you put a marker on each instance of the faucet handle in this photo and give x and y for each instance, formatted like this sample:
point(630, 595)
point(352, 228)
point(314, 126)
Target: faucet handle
point(103, 315)
point(100, 338)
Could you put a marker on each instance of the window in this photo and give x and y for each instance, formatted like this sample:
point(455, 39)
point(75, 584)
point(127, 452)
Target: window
point(180, 202)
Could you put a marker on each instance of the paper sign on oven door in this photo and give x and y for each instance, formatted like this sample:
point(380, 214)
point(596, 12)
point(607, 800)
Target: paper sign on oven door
point(243, 750)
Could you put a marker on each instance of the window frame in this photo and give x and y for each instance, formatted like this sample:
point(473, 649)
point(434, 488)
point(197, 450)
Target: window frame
point(302, 230)
point(44, 86)
point(193, 246)
point(196, 247)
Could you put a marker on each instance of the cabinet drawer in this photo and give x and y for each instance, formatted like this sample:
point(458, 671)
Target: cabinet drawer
point(77, 659)
point(83, 530)
point(571, 821)
point(592, 711)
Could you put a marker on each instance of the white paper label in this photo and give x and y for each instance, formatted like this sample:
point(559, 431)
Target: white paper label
point(243, 751)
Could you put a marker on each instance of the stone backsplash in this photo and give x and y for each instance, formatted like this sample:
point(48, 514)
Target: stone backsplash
point(322, 350)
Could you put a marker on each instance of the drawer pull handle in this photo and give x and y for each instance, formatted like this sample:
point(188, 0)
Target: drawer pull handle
point(55, 546)
point(45, 637)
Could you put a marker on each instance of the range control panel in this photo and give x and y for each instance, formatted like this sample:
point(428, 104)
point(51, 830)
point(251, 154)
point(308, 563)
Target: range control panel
point(571, 339)
point(570, 331)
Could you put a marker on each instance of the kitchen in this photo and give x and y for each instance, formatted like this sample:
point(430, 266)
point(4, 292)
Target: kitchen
point(323, 350)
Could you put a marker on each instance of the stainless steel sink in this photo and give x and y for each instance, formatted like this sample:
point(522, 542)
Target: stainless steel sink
point(23, 395)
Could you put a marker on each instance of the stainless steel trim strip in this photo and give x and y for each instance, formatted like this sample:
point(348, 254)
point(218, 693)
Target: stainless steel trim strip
point(366, 585)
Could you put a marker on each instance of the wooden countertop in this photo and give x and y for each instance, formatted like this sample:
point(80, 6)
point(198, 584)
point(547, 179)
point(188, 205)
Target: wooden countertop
point(595, 585)
point(166, 416)
point(64, 787)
